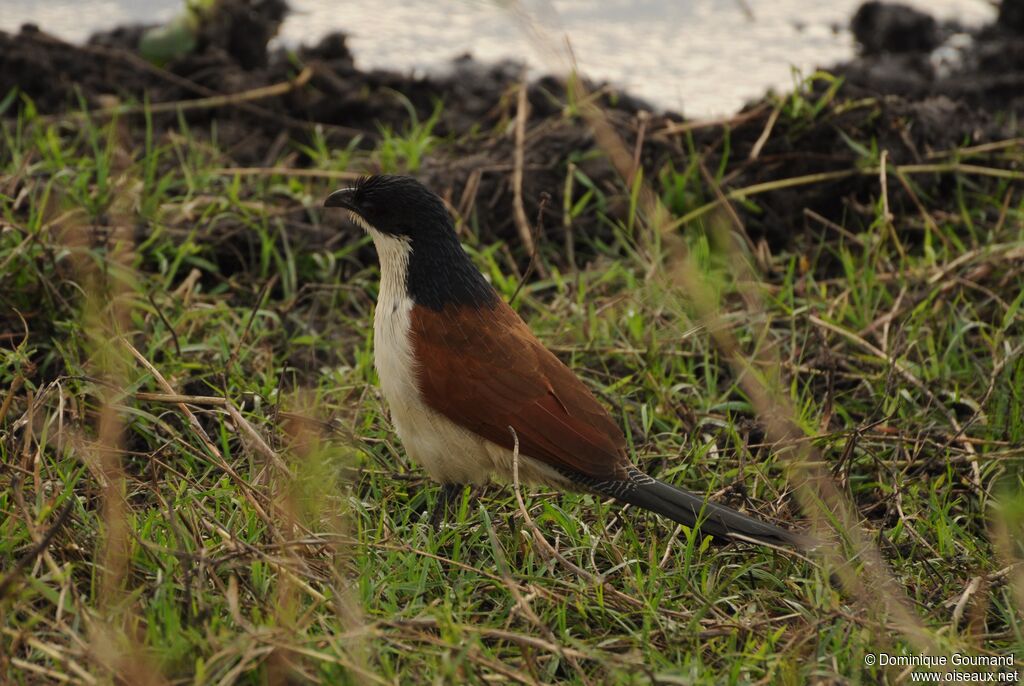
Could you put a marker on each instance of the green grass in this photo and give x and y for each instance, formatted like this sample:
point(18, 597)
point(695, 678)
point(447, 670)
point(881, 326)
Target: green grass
point(284, 539)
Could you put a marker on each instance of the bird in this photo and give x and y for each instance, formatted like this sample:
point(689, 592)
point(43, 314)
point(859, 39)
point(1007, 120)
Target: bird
point(467, 382)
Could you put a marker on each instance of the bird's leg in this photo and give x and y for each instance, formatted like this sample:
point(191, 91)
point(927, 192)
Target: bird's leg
point(450, 493)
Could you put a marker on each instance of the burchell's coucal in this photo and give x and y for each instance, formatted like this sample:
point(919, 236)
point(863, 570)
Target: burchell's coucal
point(458, 368)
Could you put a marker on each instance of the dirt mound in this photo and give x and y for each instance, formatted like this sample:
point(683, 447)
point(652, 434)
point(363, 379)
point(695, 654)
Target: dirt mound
point(907, 54)
point(918, 88)
point(892, 27)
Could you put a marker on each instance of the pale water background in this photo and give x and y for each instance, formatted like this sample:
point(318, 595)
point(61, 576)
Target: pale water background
point(700, 57)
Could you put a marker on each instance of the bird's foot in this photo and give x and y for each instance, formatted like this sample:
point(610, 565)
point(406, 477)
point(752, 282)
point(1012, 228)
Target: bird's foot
point(447, 499)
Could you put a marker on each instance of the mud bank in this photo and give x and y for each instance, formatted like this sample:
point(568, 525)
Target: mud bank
point(917, 90)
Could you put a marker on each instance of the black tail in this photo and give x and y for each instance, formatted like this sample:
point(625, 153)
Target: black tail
point(717, 520)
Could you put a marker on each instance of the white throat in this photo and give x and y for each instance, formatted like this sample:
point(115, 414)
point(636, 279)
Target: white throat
point(393, 253)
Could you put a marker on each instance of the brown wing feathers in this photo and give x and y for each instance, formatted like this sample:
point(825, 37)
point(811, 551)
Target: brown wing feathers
point(485, 370)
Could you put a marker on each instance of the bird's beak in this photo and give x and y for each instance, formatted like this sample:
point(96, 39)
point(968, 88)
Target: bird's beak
point(343, 198)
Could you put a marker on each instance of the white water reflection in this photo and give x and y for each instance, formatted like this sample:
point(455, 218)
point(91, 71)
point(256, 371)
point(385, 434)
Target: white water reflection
point(702, 57)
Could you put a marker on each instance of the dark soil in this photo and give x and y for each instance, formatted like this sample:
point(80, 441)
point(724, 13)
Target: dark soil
point(915, 93)
point(891, 27)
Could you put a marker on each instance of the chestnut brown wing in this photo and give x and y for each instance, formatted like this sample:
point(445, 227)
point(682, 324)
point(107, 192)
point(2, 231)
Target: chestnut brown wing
point(485, 370)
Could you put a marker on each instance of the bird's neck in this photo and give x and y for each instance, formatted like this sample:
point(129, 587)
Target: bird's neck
point(394, 254)
point(434, 273)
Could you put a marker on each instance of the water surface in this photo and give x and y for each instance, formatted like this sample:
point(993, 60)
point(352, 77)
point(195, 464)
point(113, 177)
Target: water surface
point(701, 57)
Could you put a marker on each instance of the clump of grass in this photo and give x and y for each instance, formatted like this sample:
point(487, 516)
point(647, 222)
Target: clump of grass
point(404, 152)
point(198, 398)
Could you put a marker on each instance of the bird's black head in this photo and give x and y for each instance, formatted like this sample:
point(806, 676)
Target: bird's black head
point(399, 210)
point(396, 206)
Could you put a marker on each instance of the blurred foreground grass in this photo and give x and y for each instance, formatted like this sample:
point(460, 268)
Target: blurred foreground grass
point(200, 484)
